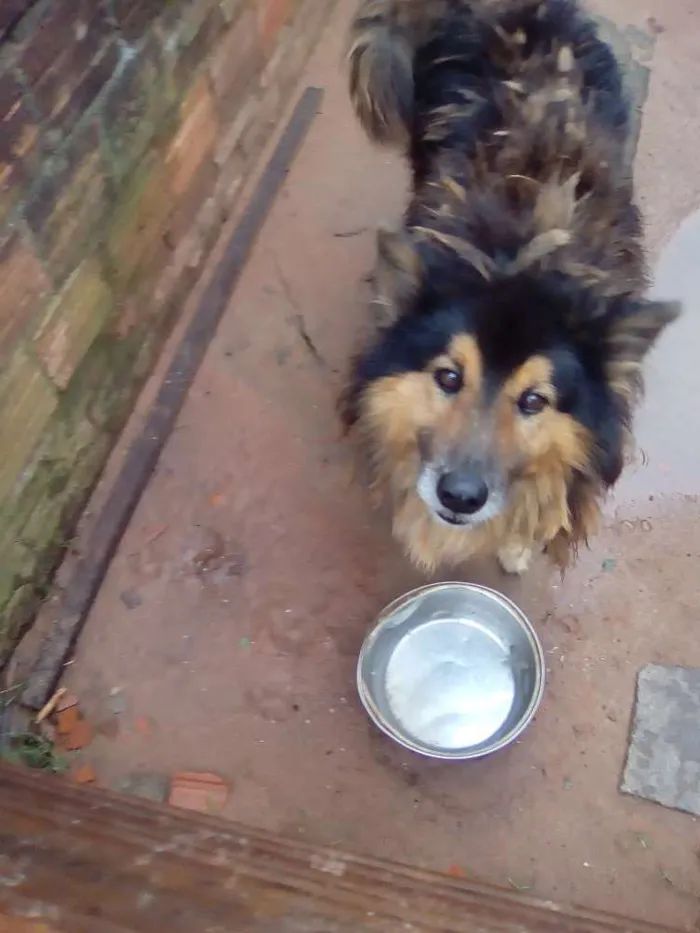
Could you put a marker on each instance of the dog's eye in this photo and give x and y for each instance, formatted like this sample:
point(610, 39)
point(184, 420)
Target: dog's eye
point(532, 403)
point(449, 380)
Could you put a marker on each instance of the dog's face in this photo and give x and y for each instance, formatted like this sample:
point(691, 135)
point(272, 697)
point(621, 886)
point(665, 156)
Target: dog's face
point(472, 393)
point(481, 428)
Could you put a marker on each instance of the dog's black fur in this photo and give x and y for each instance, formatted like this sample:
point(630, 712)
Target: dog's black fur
point(521, 231)
point(453, 60)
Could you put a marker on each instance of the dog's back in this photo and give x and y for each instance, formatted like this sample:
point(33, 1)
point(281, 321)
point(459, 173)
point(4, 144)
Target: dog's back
point(408, 57)
point(518, 103)
point(522, 236)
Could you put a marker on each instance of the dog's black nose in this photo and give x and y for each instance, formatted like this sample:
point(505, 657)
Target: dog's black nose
point(463, 493)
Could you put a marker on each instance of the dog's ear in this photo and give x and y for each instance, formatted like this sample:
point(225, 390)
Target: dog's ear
point(397, 248)
point(398, 270)
point(611, 436)
point(632, 330)
point(396, 280)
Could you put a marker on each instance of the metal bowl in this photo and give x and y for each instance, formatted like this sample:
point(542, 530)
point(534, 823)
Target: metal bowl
point(452, 670)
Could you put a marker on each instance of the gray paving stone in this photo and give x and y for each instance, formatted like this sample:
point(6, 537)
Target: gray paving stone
point(663, 761)
point(145, 784)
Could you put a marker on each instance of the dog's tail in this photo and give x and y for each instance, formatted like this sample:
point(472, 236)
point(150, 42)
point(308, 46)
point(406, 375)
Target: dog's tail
point(384, 37)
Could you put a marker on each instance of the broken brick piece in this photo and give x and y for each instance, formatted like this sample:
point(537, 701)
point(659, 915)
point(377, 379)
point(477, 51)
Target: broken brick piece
point(79, 736)
point(67, 720)
point(202, 792)
point(67, 701)
point(143, 727)
point(85, 774)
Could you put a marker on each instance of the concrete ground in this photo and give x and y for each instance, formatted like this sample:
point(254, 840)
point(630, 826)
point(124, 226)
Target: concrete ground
point(232, 615)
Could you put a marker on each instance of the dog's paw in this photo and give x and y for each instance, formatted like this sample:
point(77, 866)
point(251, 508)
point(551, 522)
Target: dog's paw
point(515, 558)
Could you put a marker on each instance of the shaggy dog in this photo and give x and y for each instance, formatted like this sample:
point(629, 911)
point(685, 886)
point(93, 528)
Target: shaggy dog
point(496, 404)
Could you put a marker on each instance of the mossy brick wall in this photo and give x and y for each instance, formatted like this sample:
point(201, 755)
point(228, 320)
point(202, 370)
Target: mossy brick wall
point(127, 130)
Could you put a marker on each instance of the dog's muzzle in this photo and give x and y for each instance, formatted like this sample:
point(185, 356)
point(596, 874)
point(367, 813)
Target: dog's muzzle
point(464, 497)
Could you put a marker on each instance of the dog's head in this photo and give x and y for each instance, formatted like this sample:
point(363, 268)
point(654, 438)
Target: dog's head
point(483, 384)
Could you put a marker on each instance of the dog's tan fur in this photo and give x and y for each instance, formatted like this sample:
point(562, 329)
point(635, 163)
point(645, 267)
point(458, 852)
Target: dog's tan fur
point(400, 410)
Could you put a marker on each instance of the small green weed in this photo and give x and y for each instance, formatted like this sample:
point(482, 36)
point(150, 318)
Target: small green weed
point(20, 742)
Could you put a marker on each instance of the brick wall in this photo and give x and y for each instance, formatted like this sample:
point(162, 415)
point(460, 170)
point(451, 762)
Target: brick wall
point(127, 129)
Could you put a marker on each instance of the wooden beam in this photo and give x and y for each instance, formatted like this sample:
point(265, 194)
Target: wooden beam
point(84, 860)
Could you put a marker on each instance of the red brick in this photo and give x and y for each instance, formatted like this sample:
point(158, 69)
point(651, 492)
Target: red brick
point(272, 15)
point(125, 318)
point(179, 274)
point(27, 401)
point(230, 182)
point(190, 158)
point(236, 62)
point(192, 17)
point(67, 720)
point(79, 736)
point(231, 8)
point(18, 130)
point(23, 286)
point(229, 141)
point(144, 726)
point(10, 13)
point(194, 142)
point(268, 111)
point(205, 793)
point(287, 60)
point(136, 231)
point(67, 57)
point(197, 34)
point(9, 194)
point(84, 774)
point(68, 89)
point(19, 135)
point(136, 106)
point(69, 201)
point(63, 36)
point(72, 322)
point(201, 187)
point(45, 44)
point(133, 17)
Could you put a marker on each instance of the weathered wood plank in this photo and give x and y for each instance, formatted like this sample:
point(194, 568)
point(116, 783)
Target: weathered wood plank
point(83, 860)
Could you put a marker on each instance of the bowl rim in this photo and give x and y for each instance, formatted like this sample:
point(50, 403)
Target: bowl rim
point(535, 700)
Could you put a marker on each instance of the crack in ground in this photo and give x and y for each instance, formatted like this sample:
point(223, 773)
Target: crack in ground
point(300, 322)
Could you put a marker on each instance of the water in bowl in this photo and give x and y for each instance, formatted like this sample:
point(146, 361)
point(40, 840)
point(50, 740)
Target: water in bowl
point(450, 684)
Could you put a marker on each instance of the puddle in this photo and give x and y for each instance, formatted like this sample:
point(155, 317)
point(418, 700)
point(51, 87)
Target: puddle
point(667, 427)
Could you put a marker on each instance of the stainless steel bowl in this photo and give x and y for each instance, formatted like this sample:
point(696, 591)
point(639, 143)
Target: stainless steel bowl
point(452, 670)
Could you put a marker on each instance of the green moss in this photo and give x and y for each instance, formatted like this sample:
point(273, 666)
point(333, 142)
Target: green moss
point(140, 111)
point(36, 525)
point(133, 236)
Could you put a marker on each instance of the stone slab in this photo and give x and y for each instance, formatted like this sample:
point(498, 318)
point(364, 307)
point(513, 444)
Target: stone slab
point(663, 761)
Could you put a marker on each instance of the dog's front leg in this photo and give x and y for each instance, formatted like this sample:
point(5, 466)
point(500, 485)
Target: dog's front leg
point(515, 556)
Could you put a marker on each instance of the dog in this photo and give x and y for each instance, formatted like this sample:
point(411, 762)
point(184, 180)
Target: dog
point(496, 404)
